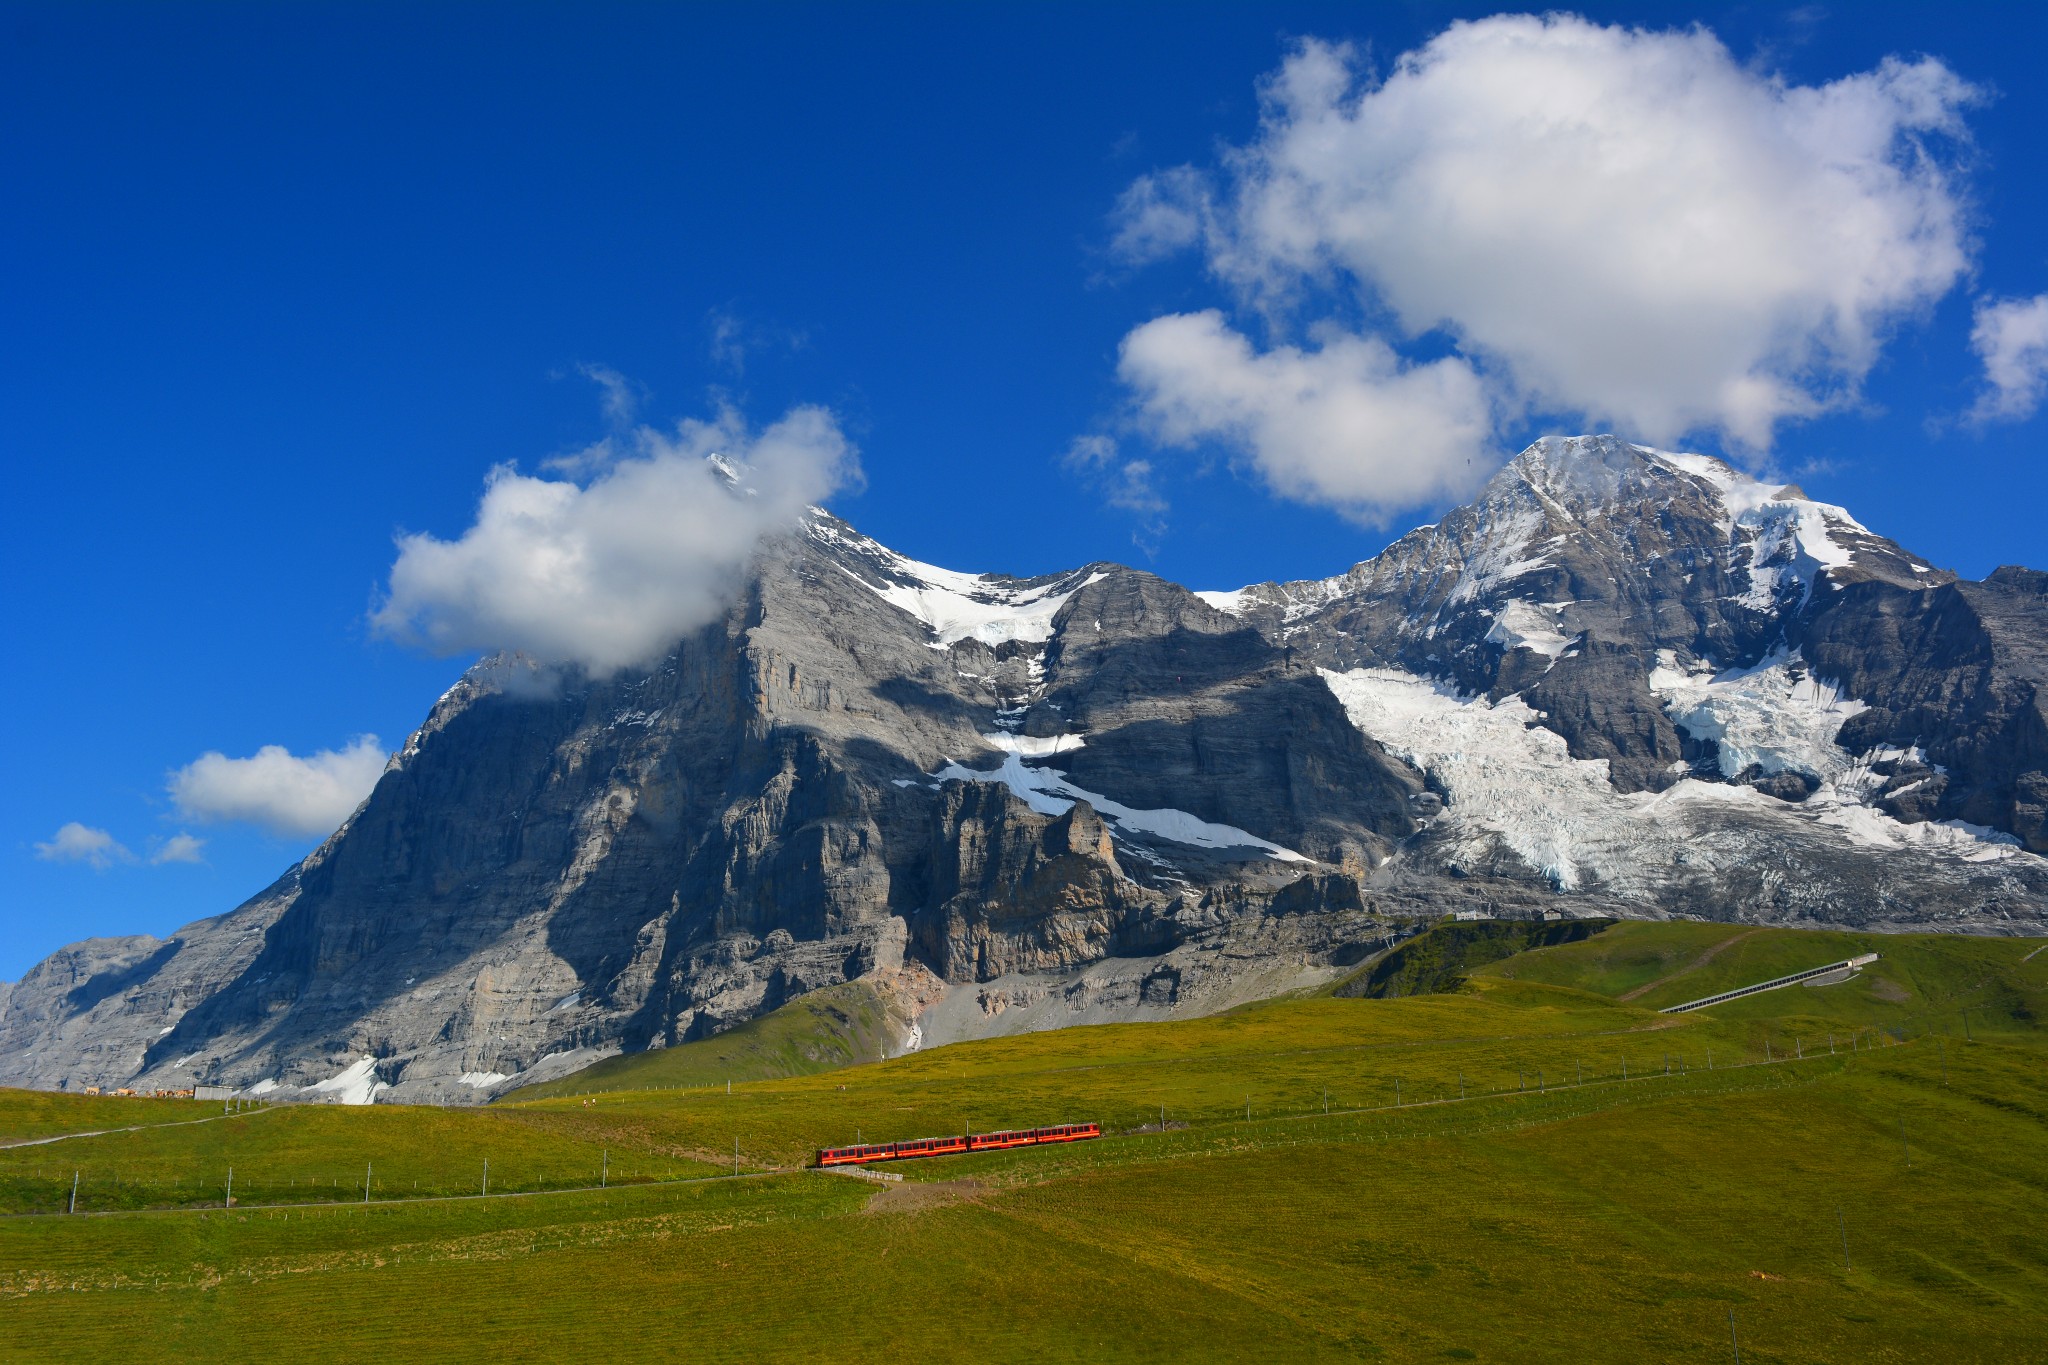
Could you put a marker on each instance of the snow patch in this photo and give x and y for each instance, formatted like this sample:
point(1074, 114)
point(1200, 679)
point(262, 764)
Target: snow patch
point(264, 1086)
point(1230, 603)
point(1036, 746)
point(1049, 793)
point(483, 1080)
point(357, 1084)
point(1776, 715)
point(954, 606)
point(1525, 625)
point(1508, 780)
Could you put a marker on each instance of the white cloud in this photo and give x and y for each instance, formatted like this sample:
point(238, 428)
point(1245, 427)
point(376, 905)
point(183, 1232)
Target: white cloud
point(277, 789)
point(76, 843)
point(1125, 483)
point(1617, 224)
point(620, 396)
point(2011, 338)
point(179, 848)
point(613, 571)
point(733, 338)
point(1350, 424)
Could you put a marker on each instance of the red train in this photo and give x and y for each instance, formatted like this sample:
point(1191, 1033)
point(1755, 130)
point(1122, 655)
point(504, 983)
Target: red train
point(948, 1146)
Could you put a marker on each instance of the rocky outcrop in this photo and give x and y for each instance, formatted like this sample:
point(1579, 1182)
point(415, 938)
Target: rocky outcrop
point(1957, 675)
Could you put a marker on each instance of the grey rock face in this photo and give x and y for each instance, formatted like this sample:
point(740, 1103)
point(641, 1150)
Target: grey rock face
point(1620, 683)
point(1958, 677)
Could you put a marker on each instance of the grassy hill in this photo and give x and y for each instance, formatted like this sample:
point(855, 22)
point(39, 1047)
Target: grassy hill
point(1918, 976)
point(1557, 1212)
point(827, 1029)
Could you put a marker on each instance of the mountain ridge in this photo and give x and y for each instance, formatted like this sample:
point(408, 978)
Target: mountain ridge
point(1621, 682)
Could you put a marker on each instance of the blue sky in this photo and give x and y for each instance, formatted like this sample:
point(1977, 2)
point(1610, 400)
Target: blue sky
point(282, 284)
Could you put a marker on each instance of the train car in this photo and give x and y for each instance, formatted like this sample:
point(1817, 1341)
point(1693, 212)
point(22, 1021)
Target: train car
point(948, 1146)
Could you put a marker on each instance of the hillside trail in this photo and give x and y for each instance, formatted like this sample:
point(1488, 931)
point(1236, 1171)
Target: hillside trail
point(1702, 960)
point(135, 1128)
point(917, 1198)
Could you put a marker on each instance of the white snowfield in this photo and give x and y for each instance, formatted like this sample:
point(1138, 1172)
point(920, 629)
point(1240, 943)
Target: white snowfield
point(356, 1084)
point(1049, 793)
point(958, 606)
point(1526, 625)
point(1776, 715)
point(1508, 779)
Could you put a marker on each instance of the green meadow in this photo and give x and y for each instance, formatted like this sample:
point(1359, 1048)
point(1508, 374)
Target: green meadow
point(1526, 1167)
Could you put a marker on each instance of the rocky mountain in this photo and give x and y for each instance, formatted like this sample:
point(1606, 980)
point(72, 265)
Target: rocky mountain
point(1623, 681)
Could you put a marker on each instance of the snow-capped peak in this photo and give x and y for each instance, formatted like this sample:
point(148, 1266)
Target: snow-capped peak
point(954, 606)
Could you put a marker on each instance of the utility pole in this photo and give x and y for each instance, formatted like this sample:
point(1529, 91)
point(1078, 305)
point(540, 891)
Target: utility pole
point(1733, 1344)
point(1397, 1094)
point(366, 1182)
point(74, 1192)
point(735, 1157)
point(231, 1189)
point(1461, 1085)
point(604, 1169)
point(487, 1175)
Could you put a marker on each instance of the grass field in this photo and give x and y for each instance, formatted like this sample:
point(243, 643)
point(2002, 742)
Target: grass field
point(1607, 1219)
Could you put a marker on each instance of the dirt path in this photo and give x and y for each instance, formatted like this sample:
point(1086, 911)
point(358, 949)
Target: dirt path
point(137, 1128)
point(1702, 960)
point(917, 1197)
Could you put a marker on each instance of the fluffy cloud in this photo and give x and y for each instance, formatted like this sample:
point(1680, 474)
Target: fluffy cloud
point(1349, 424)
point(76, 843)
point(610, 571)
point(277, 789)
point(1613, 223)
point(179, 848)
point(2011, 338)
point(1125, 483)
